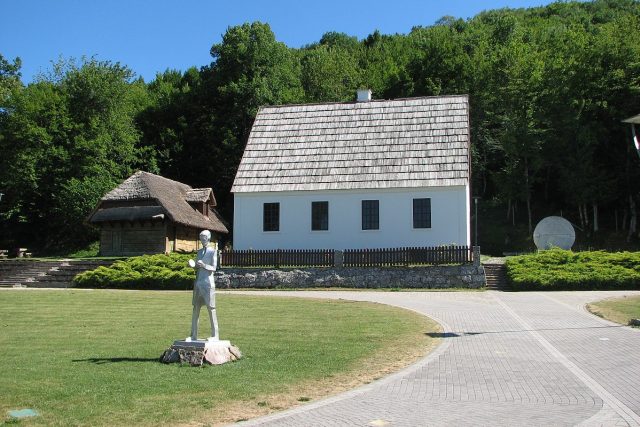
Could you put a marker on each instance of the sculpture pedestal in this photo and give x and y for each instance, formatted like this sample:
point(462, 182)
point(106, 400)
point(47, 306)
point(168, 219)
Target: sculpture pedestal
point(199, 352)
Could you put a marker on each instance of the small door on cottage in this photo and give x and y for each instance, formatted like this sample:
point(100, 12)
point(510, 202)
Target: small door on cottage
point(116, 246)
point(106, 242)
point(110, 242)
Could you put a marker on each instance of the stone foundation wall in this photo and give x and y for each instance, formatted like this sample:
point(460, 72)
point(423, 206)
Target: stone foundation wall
point(438, 277)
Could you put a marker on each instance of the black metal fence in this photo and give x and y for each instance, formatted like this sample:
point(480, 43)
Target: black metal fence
point(408, 256)
point(278, 258)
point(388, 257)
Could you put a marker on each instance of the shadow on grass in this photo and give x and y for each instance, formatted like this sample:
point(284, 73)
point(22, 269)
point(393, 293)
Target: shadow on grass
point(468, 333)
point(103, 360)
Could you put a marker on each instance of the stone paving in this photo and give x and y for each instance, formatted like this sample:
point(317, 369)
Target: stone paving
point(506, 359)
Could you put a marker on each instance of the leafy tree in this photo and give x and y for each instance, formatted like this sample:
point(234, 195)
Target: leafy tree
point(165, 124)
point(384, 61)
point(342, 41)
point(249, 69)
point(69, 136)
point(9, 78)
point(329, 74)
point(442, 63)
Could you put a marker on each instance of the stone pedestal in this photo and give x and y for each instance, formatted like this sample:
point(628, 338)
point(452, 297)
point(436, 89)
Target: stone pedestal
point(199, 352)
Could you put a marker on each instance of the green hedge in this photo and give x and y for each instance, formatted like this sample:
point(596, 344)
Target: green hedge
point(557, 269)
point(142, 272)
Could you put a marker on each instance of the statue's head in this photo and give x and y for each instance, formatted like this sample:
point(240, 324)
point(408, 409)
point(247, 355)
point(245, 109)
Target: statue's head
point(205, 238)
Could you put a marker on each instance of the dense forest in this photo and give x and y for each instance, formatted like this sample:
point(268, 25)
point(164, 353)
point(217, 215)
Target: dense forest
point(548, 88)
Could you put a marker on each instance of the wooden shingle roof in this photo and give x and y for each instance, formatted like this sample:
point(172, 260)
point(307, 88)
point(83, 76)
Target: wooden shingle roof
point(171, 198)
point(403, 143)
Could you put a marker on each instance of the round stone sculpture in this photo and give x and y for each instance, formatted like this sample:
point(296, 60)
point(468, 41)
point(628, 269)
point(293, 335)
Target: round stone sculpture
point(554, 232)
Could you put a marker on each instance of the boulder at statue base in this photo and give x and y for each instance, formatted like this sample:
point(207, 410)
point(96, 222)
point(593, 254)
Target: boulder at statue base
point(199, 352)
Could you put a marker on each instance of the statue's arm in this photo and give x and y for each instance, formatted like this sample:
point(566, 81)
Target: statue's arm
point(214, 262)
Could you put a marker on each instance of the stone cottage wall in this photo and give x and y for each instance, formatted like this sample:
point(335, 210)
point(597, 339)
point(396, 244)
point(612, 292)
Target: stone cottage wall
point(437, 277)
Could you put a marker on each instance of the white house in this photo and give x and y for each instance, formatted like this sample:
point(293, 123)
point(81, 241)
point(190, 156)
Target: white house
point(364, 174)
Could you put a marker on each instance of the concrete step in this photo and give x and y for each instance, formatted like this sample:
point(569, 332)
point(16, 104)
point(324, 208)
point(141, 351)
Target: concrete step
point(496, 277)
point(44, 274)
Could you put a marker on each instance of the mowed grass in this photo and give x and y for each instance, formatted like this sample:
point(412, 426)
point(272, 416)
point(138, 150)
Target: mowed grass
point(619, 310)
point(91, 357)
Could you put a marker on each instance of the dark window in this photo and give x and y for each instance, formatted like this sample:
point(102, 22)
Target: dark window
point(271, 217)
point(421, 213)
point(319, 215)
point(370, 215)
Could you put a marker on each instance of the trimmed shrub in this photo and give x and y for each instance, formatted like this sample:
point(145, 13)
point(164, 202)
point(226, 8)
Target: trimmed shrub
point(557, 269)
point(142, 272)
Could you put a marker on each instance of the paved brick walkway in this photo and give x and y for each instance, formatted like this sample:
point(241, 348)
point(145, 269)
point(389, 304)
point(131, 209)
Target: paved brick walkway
point(507, 359)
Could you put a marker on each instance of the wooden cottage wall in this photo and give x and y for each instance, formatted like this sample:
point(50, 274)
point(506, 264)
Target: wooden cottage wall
point(187, 239)
point(129, 239)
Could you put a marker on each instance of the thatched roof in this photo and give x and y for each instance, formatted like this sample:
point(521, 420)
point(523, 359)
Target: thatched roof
point(172, 199)
point(402, 143)
point(200, 195)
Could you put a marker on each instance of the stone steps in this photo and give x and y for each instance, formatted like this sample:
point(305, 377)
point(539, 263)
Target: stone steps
point(44, 274)
point(19, 272)
point(496, 277)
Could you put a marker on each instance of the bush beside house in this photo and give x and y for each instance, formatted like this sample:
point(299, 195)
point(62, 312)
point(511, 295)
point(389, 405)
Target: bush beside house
point(142, 272)
point(558, 269)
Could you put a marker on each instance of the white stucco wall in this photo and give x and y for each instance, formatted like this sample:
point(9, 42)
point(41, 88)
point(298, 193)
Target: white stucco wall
point(450, 219)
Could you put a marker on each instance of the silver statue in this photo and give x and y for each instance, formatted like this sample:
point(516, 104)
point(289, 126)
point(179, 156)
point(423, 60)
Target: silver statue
point(204, 288)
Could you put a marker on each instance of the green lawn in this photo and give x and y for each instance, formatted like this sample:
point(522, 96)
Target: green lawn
point(90, 357)
point(619, 310)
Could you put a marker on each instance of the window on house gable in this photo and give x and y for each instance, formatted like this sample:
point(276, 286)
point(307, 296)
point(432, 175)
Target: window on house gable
point(319, 216)
point(271, 217)
point(370, 215)
point(421, 213)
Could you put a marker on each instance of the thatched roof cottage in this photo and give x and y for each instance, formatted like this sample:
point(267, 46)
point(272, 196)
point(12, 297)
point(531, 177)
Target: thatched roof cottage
point(148, 214)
